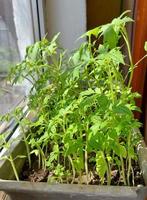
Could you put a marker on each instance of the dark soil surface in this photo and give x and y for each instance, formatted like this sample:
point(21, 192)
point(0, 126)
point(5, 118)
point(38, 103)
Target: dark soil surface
point(40, 175)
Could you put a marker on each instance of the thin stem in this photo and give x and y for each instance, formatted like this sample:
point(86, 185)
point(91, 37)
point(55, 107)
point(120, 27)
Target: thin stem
point(109, 173)
point(28, 79)
point(135, 66)
point(25, 140)
point(11, 160)
point(14, 168)
point(46, 149)
point(80, 177)
point(86, 164)
point(42, 157)
point(108, 170)
point(111, 82)
point(89, 46)
point(125, 36)
point(86, 155)
point(123, 170)
point(132, 176)
point(73, 169)
point(28, 151)
point(39, 160)
point(141, 60)
point(129, 161)
point(129, 169)
point(124, 13)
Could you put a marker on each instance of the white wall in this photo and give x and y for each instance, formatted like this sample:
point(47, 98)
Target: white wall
point(67, 17)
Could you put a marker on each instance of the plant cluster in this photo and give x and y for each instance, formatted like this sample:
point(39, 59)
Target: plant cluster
point(84, 109)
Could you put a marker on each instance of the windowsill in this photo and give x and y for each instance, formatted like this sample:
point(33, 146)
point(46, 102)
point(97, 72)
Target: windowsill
point(16, 147)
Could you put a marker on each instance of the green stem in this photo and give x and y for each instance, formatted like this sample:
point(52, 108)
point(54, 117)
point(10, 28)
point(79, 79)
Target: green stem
point(123, 170)
point(39, 160)
point(129, 161)
point(140, 60)
point(25, 141)
point(86, 163)
point(73, 169)
point(42, 158)
point(132, 176)
point(14, 168)
point(89, 46)
point(125, 36)
point(86, 154)
point(28, 79)
point(119, 169)
point(111, 82)
point(108, 178)
point(80, 176)
point(129, 169)
point(28, 150)
point(108, 170)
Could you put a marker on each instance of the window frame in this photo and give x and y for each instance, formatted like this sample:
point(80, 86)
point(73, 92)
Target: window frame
point(38, 28)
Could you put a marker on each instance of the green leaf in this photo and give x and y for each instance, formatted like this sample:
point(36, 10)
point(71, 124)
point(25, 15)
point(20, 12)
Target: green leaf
point(131, 152)
point(81, 56)
point(102, 49)
point(81, 103)
point(51, 48)
point(127, 19)
point(109, 158)
point(93, 141)
point(117, 56)
point(87, 92)
point(103, 102)
point(110, 36)
point(76, 73)
point(52, 157)
point(95, 127)
point(35, 151)
point(119, 150)
point(122, 151)
point(56, 148)
point(33, 51)
point(78, 163)
point(101, 165)
point(96, 31)
point(117, 161)
point(122, 109)
point(55, 38)
point(119, 23)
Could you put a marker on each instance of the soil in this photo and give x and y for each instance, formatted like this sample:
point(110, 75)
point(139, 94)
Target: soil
point(40, 175)
point(34, 174)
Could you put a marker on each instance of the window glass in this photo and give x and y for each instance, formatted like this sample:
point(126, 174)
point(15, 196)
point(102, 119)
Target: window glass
point(16, 33)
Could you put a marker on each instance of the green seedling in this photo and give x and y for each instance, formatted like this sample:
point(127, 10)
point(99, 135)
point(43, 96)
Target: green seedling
point(84, 108)
point(9, 156)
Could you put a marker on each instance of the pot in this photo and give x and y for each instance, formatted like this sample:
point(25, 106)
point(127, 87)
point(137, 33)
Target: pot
point(27, 190)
